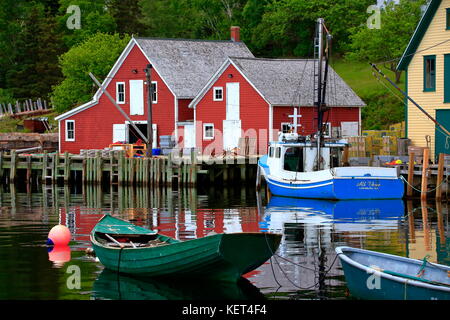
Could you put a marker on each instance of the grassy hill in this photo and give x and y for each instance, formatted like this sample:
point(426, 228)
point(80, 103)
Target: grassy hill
point(383, 108)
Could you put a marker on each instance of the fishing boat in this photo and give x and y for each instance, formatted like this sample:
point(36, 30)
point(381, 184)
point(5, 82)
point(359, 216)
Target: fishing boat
point(126, 248)
point(313, 166)
point(379, 276)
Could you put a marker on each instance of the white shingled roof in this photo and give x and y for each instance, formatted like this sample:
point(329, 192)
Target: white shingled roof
point(187, 65)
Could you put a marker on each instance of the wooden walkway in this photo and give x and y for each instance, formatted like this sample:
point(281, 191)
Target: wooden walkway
point(115, 168)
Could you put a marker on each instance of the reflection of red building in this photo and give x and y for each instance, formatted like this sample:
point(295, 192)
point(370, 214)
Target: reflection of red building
point(80, 223)
point(184, 225)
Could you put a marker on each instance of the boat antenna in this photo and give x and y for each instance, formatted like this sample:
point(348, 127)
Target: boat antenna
point(410, 99)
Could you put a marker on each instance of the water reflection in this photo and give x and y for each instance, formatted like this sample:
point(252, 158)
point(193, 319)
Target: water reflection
point(110, 285)
point(305, 266)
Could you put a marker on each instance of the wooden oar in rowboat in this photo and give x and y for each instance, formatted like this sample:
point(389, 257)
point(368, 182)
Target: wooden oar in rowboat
point(114, 240)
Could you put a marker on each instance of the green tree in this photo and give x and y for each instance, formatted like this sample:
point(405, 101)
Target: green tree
point(169, 18)
point(287, 27)
point(31, 48)
point(398, 22)
point(95, 17)
point(97, 54)
point(200, 19)
point(127, 16)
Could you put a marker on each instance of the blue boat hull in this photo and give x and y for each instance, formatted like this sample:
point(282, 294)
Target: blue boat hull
point(341, 189)
point(357, 280)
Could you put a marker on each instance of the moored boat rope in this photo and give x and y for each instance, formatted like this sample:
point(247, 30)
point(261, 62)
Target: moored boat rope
point(428, 191)
point(274, 255)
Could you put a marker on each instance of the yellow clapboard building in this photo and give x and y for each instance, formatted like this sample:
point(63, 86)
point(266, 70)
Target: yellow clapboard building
point(426, 62)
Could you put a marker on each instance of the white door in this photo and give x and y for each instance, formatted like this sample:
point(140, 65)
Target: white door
point(136, 97)
point(233, 101)
point(154, 136)
point(189, 139)
point(119, 132)
point(231, 134)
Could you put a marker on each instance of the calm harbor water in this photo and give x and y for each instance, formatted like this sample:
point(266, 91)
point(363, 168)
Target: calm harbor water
point(305, 266)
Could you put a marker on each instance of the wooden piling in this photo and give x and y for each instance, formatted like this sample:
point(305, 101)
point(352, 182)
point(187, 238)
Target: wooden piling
point(28, 179)
point(99, 167)
point(409, 190)
point(66, 167)
point(411, 227)
point(169, 169)
point(44, 167)
point(440, 177)
point(1, 166)
point(12, 172)
point(424, 189)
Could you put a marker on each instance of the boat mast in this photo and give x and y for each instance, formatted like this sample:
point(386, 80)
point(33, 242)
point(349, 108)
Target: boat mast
point(321, 81)
point(318, 51)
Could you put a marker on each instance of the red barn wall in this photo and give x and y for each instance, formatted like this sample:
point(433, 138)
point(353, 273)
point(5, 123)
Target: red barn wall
point(94, 126)
point(254, 111)
point(308, 120)
point(185, 113)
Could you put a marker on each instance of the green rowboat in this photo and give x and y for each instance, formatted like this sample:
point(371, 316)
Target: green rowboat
point(126, 248)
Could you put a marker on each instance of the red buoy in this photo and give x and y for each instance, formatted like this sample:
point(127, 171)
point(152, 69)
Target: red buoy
point(59, 235)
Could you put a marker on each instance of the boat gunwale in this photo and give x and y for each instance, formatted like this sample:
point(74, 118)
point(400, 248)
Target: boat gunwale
point(340, 251)
point(97, 243)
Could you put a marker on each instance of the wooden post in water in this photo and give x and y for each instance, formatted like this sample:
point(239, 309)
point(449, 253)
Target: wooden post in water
point(194, 168)
point(440, 177)
point(99, 167)
point(426, 226)
point(66, 167)
point(28, 169)
point(169, 169)
point(409, 190)
point(132, 170)
point(426, 154)
point(55, 167)
point(13, 169)
point(44, 167)
point(1, 167)
point(440, 221)
point(412, 229)
point(84, 170)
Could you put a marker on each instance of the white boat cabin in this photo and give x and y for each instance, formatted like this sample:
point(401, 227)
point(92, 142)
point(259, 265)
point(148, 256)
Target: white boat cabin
point(292, 155)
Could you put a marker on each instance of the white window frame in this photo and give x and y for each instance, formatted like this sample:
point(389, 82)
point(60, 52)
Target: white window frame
point(204, 131)
point(117, 93)
point(285, 124)
point(214, 93)
point(329, 129)
point(67, 131)
point(155, 92)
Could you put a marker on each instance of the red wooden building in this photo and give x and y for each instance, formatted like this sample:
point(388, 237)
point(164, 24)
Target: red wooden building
point(258, 98)
point(206, 98)
point(180, 69)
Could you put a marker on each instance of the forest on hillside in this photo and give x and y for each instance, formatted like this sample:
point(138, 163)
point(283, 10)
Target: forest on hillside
point(47, 47)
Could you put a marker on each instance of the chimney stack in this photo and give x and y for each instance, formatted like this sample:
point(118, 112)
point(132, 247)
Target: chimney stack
point(235, 34)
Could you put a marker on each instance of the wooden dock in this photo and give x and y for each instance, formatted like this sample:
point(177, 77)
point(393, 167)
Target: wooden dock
point(114, 168)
